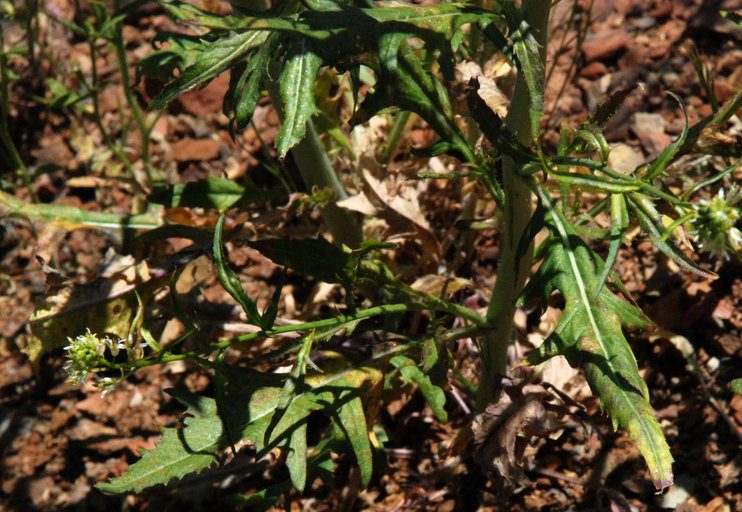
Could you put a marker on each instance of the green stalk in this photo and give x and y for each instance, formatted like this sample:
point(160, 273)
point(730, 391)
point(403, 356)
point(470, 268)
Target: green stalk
point(145, 127)
point(517, 211)
point(7, 141)
point(316, 170)
point(387, 309)
point(392, 141)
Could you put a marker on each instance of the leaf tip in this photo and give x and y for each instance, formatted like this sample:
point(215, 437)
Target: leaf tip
point(662, 482)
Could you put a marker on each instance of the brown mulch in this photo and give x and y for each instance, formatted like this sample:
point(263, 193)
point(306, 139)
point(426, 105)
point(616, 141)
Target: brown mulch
point(58, 441)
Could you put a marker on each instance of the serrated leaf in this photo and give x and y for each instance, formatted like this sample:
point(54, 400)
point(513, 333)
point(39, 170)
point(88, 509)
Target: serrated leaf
point(250, 401)
point(244, 91)
point(589, 334)
point(610, 105)
point(218, 193)
point(341, 35)
point(179, 51)
point(736, 386)
point(217, 56)
point(297, 91)
point(180, 452)
point(248, 409)
point(411, 87)
point(530, 65)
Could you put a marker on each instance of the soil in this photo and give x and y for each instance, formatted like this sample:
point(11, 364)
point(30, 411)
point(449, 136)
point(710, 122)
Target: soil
point(58, 440)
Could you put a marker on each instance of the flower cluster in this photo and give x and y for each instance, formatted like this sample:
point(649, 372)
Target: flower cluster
point(86, 354)
point(715, 223)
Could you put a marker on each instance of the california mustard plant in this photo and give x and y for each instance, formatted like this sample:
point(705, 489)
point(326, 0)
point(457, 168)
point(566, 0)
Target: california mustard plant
point(411, 51)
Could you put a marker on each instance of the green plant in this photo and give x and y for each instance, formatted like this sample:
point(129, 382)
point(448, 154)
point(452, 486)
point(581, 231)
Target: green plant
point(411, 51)
point(106, 25)
point(11, 157)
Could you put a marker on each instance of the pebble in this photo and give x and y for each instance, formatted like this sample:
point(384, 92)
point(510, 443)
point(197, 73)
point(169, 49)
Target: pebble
point(606, 44)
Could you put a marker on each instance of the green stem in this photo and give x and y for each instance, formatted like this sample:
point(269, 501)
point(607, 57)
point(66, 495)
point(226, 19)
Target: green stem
point(392, 140)
point(387, 309)
point(316, 170)
point(93, 88)
point(511, 271)
point(284, 329)
point(15, 158)
point(145, 128)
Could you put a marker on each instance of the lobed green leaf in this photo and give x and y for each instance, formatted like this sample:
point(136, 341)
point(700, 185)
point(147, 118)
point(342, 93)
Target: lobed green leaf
point(180, 452)
point(589, 334)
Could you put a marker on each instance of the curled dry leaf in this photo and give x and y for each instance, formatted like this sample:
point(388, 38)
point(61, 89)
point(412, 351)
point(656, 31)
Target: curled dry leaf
point(502, 433)
point(488, 90)
point(442, 286)
point(396, 202)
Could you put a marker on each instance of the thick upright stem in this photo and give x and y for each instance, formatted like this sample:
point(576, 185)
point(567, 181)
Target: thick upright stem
point(512, 271)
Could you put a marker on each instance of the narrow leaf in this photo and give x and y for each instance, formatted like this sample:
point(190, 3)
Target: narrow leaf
point(651, 222)
point(229, 279)
point(353, 420)
point(72, 217)
point(619, 223)
point(245, 89)
point(217, 57)
point(603, 184)
point(297, 94)
point(663, 160)
point(527, 52)
point(218, 193)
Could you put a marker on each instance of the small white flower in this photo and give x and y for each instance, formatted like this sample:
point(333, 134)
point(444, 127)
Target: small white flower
point(714, 225)
point(105, 384)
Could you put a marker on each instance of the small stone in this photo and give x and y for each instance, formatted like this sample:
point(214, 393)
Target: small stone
point(605, 44)
point(645, 22)
point(594, 70)
point(195, 150)
point(650, 128)
point(624, 159)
